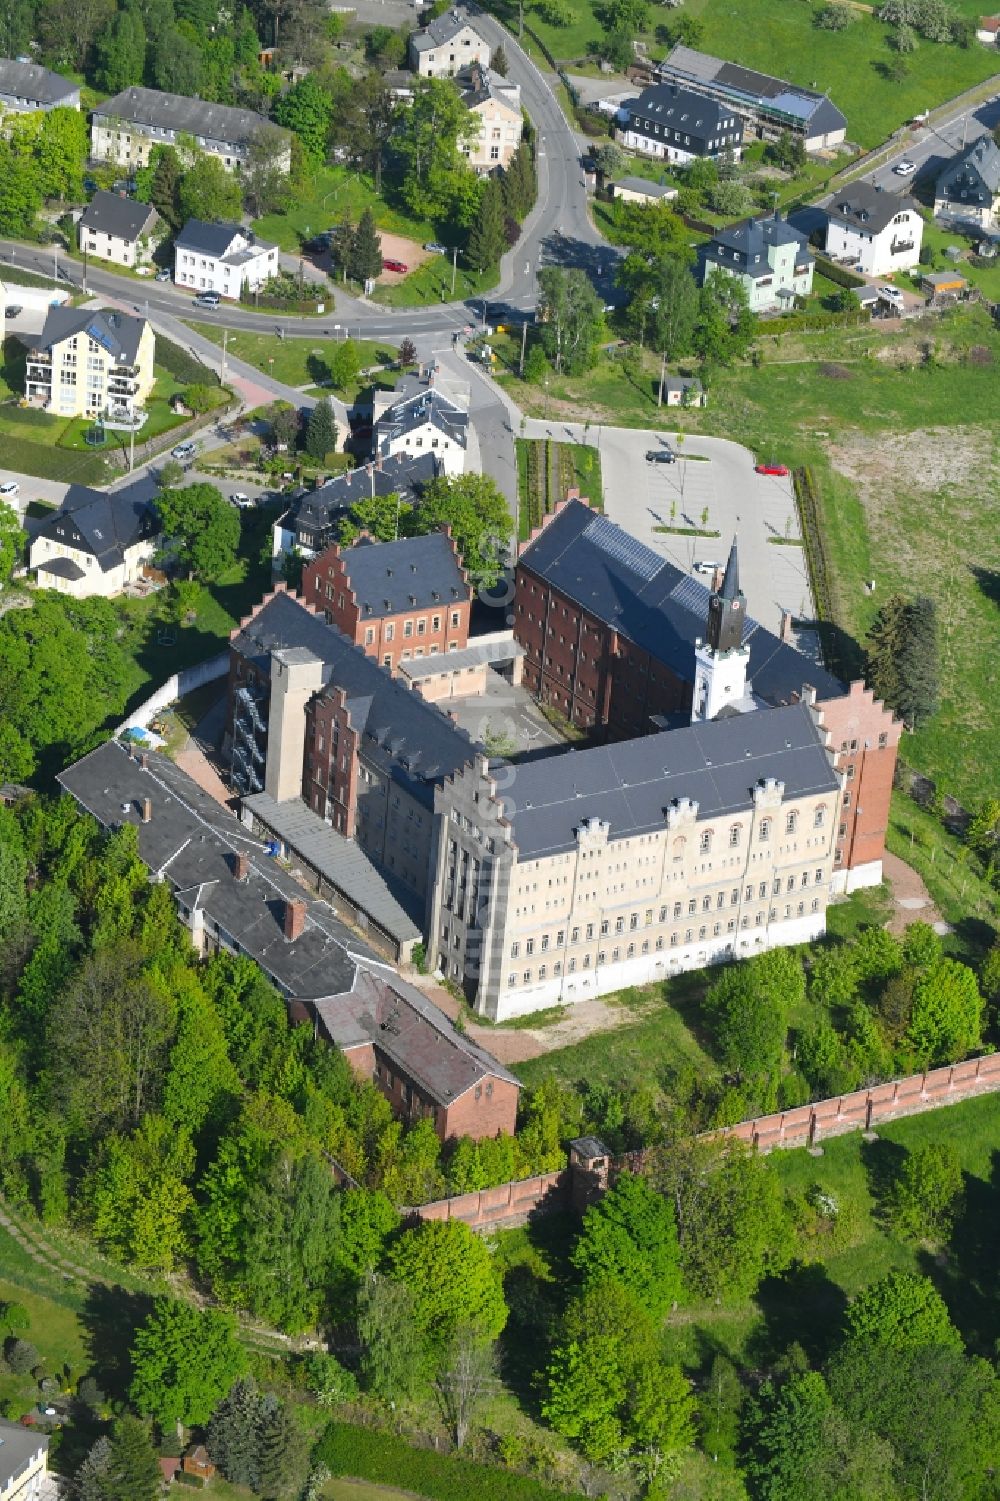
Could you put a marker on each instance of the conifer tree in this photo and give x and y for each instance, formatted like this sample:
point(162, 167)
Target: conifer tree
point(235, 1431)
point(281, 1456)
point(885, 646)
point(321, 432)
point(498, 62)
point(365, 259)
point(132, 1473)
point(918, 666)
point(487, 241)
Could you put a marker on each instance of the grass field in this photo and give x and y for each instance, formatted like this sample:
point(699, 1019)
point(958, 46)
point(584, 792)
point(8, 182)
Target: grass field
point(899, 432)
point(332, 195)
point(431, 283)
point(295, 362)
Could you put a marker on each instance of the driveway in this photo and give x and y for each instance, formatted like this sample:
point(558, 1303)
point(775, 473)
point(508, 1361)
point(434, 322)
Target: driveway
point(711, 475)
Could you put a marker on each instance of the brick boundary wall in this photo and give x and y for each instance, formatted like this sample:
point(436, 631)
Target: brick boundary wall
point(512, 1203)
point(867, 1108)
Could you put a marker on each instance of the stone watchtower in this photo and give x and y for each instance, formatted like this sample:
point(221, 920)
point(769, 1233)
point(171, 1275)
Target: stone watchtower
point(721, 660)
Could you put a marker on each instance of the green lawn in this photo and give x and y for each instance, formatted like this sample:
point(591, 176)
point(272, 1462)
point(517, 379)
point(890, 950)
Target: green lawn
point(334, 1490)
point(430, 283)
point(333, 194)
point(295, 362)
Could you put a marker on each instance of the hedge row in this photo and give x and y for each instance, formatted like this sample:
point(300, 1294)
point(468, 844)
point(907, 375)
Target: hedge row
point(367, 1454)
point(839, 274)
point(183, 366)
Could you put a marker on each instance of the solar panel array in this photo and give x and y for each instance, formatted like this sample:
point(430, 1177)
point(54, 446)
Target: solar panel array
point(610, 538)
point(100, 337)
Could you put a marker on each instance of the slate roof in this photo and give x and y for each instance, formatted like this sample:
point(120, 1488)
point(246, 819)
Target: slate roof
point(29, 81)
point(759, 90)
point(411, 740)
point(752, 238)
point(479, 84)
point(601, 567)
point(414, 1033)
point(63, 568)
point(108, 521)
point(414, 574)
point(630, 785)
point(197, 117)
point(191, 840)
point(398, 473)
point(428, 406)
point(119, 334)
point(863, 207)
point(441, 31)
point(18, 1447)
point(976, 169)
point(111, 214)
point(679, 109)
point(215, 238)
point(644, 186)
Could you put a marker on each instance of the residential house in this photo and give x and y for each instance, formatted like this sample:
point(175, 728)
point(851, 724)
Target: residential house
point(422, 417)
point(988, 31)
point(767, 105)
point(88, 363)
point(314, 518)
point(610, 632)
point(97, 542)
point(126, 128)
point(447, 46)
point(944, 284)
point(641, 190)
point(769, 258)
point(24, 1463)
point(118, 229)
point(677, 125)
point(683, 391)
point(879, 232)
point(222, 258)
point(26, 88)
point(397, 600)
point(495, 102)
point(233, 897)
point(968, 189)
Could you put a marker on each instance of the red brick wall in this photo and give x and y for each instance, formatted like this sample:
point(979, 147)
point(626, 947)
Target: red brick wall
point(864, 737)
point(507, 1204)
point(866, 1108)
point(332, 776)
point(491, 1112)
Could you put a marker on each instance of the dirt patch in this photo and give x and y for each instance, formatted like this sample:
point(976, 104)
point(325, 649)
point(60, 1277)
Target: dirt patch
point(518, 1044)
point(911, 901)
point(399, 248)
point(926, 461)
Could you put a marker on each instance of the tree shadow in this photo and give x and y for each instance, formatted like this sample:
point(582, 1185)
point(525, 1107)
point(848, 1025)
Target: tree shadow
point(988, 580)
point(110, 1317)
point(883, 1162)
point(967, 1278)
point(803, 1306)
point(318, 369)
point(842, 654)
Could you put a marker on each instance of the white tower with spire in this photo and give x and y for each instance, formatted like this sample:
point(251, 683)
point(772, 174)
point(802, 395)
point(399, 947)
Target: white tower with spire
point(720, 679)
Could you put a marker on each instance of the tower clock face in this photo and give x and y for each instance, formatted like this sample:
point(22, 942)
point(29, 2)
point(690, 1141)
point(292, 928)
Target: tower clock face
point(736, 604)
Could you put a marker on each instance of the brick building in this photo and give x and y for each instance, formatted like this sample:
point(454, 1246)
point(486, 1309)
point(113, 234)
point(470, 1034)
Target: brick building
point(398, 601)
point(234, 898)
point(613, 635)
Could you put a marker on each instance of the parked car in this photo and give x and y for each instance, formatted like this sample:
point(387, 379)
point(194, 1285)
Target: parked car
point(164, 275)
point(435, 249)
point(9, 489)
point(182, 452)
point(706, 566)
point(241, 499)
point(893, 295)
point(395, 266)
point(207, 299)
point(319, 242)
point(771, 468)
point(13, 310)
point(660, 456)
point(905, 168)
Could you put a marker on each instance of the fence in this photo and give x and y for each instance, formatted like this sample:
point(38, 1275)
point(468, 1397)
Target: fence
point(175, 687)
point(867, 1108)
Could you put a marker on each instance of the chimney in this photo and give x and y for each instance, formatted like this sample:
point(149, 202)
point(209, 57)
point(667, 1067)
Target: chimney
point(717, 578)
point(241, 867)
point(785, 629)
point(295, 919)
point(146, 809)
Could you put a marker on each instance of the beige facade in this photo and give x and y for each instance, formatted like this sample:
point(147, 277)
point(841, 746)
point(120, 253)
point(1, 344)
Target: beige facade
point(613, 912)
point(79, 573)
point(446, 47)
point(24, 1464)
point(126, 128)
point(500, 126)
point(79, 377)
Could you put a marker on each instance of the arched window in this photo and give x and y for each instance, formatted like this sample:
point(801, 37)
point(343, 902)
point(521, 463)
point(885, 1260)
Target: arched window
point(791, 823)
point(764, 830)
point(735, 830)
point(819, 817)
point(706, 841)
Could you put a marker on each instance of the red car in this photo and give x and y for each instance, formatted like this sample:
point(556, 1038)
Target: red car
point(772, 468)
point(394, 266)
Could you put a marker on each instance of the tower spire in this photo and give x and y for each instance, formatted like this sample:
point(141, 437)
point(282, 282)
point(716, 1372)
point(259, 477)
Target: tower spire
point(721, 660)
point(731, 579)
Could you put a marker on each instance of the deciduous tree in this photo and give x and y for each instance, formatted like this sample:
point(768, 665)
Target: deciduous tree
point(201, 528)
point(184, 1361)
point(307, 108)
point(479, 519)
point(207, 191)
point(571, 317)
point(629, 1237)
point(453, 1281)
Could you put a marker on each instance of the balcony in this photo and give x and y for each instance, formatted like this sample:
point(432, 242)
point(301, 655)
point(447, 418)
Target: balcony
point(122, 419)
point(900, 247)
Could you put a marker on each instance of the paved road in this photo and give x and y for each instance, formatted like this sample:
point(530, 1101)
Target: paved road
point(934, 145)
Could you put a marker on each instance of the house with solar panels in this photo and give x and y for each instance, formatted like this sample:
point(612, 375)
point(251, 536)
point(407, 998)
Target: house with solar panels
point(91, 363)
point(767, 105)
